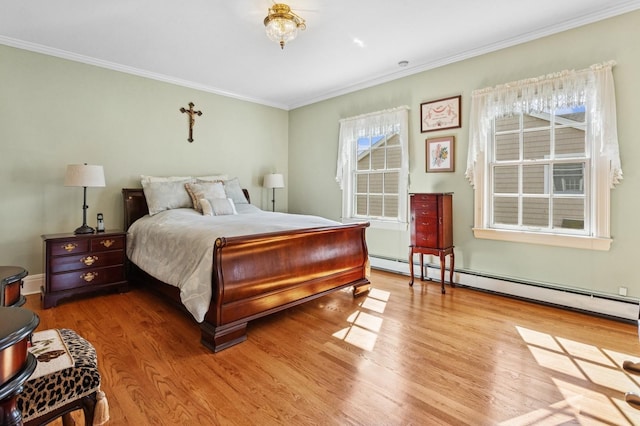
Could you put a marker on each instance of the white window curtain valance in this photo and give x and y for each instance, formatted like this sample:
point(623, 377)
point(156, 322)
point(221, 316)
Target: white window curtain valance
point(592, 87)
point(387, 122)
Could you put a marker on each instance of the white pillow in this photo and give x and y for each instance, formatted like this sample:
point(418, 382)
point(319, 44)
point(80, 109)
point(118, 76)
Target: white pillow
point(200, 190)
point(207, 210)
point(234, 191)
point(166, 195)
point(217, 206)
point(222, 206)
point(212, 178)
point(145, 178)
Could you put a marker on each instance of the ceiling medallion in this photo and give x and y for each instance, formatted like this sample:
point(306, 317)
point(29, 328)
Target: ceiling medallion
point(282, 24)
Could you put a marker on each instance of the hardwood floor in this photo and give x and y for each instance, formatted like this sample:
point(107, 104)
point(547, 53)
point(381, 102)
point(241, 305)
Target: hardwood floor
point(398, 356)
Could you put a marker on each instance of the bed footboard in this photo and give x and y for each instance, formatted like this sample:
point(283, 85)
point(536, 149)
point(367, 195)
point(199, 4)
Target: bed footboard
point(261, 274)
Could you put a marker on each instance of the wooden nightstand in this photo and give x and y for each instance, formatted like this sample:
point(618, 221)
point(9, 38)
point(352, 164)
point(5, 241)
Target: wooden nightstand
point(79, 264)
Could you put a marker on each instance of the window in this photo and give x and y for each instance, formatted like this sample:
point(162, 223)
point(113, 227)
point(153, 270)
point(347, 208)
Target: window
point(377, 175)
point(373, 167)
point(543, 156)
point(538, 165)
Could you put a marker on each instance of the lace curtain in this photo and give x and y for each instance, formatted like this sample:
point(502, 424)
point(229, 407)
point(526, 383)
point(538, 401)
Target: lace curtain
point(387, 122)
point(592, 87)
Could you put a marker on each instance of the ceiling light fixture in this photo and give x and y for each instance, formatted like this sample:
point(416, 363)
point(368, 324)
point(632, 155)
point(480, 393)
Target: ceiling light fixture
point(282, 24)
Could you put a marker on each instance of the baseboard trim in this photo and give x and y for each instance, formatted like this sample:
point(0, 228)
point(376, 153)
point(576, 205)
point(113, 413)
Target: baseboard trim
point(31, 284)
point(616, 307)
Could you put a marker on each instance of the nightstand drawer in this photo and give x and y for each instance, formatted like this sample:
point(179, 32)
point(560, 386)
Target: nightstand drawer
point(83, 264)
point(76, 245)
point(107, 243)
point(89, 277)
point(86, 261)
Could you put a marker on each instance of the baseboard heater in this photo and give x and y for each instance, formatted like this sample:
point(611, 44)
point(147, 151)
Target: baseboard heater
point(621, 308)
point(616, 307)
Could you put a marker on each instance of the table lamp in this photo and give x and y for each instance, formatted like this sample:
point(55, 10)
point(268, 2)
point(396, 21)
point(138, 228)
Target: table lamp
point(84, 175)
point(273, 181)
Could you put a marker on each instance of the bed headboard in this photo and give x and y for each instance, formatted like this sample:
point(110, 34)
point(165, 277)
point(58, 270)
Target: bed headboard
point(135, 204)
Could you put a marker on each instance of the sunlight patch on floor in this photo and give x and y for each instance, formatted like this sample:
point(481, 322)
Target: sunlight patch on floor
point(590, 379)
point(374, 305)
point(365, 320)
point(619, 358)
point(586, 352)
point(612, 378)
point(542, 340)
point(590, 405)
point(364, 326)
point(556, 361)
point(560, 413)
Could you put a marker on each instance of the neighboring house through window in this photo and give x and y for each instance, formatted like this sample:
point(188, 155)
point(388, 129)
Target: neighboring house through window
point(373, 168)
point(543, 155)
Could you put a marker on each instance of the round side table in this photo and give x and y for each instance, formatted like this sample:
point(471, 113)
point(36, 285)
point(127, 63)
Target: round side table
point(16, 327)
point(10, 284)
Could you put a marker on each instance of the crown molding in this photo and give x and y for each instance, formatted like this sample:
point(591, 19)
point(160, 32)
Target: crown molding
point(63, 54)
point(588, 18)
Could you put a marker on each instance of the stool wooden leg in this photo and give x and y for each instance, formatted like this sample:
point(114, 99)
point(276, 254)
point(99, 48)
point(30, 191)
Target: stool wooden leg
point(89, 408)
point(67, 420)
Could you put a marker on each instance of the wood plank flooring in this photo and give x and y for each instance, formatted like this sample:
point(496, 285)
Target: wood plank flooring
point(398, 356)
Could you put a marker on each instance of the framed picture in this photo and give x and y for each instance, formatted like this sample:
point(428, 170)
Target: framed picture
point(441, 114)
point(440, 154)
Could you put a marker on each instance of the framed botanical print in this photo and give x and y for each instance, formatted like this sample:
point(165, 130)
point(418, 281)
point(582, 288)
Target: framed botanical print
point(440, 154)
point(441, 114)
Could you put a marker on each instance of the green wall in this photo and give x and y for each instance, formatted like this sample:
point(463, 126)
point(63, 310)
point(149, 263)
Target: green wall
point(313, 136)
point(55, 112)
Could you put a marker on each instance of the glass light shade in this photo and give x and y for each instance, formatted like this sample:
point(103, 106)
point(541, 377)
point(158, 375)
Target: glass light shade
point(282, 30)
point(282, 25)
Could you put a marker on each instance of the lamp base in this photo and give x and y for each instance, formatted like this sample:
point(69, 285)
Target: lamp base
point(84, 229)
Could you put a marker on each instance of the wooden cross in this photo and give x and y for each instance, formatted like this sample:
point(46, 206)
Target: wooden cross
point(192, 119)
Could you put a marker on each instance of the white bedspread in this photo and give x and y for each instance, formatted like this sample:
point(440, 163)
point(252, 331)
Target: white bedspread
point(176, 246)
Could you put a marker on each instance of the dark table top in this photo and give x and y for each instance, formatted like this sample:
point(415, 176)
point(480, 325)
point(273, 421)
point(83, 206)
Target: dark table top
point(15, 325)
point(9, 274)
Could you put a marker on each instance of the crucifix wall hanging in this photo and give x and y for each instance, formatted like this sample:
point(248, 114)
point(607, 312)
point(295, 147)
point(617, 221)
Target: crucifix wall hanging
point(192, 118)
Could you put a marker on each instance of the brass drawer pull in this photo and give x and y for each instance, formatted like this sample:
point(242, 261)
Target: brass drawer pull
point(89, 260)
point(69, 247)
point(89, 276)
point(107, 243)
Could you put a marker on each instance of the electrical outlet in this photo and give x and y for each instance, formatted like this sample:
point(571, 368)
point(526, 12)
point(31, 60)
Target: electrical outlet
point(622, 291)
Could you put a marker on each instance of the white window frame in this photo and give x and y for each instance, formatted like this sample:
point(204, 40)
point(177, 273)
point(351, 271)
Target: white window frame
point(387, 122)
point(547, 161)
point(592, 87)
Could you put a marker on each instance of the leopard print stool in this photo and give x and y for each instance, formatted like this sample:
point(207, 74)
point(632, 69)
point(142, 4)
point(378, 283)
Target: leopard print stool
point(61, 392)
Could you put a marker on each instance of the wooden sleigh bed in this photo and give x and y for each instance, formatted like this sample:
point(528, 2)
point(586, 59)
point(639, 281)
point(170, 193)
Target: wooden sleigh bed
point(256, 275)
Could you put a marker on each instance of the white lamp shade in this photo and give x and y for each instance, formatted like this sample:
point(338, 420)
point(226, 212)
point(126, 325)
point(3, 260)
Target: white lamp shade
point(84, 175)
point(273, 180)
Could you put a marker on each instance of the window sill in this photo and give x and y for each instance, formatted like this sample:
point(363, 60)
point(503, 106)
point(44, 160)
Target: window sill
point(572, 241)
point(379, 224)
